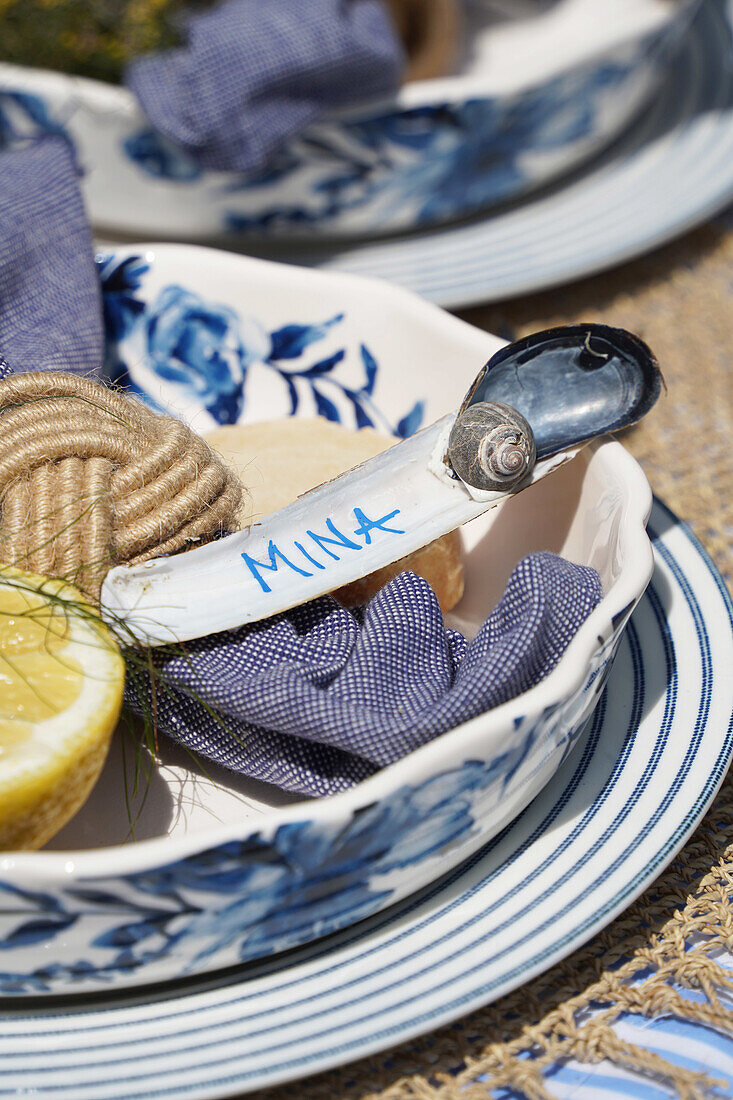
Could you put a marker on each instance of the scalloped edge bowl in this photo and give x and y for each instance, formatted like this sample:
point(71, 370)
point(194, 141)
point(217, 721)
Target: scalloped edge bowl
point(238, 878)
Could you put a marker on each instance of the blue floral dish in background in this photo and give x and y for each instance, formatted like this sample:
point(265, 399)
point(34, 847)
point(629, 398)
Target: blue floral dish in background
point(530, 102)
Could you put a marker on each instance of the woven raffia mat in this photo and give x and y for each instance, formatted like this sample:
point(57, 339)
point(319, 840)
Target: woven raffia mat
point(680, 300)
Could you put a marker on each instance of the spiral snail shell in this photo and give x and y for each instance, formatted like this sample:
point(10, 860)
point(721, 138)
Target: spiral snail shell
point(491, 446)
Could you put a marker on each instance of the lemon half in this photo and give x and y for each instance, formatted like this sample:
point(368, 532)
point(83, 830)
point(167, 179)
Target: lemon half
point(61, 683)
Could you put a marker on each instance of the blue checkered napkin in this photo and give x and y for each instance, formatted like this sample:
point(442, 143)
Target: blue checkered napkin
point(317, 699)
point(50, 300)
point(254, 73)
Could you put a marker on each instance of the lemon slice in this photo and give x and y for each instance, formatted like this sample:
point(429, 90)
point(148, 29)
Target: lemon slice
point(61, 682)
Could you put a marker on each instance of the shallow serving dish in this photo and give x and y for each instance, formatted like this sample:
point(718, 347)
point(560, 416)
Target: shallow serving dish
point(532, 98)
point(225, 870)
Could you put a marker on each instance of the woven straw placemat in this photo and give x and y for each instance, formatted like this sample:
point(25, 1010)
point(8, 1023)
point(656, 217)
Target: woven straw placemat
point(680, 300)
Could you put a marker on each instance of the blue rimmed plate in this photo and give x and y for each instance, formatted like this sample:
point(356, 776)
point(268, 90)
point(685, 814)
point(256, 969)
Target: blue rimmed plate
point(645, 770)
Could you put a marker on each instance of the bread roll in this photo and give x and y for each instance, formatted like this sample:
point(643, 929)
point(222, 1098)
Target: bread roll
point(279, 460)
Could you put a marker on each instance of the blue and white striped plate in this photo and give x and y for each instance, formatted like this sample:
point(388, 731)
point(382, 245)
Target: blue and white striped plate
point(671, 170)
point(616, 812)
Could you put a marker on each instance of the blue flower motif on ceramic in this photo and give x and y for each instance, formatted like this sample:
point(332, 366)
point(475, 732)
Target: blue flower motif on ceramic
point(24, 116)
point(436, 161)
point(121, 280)
point(199, 348)
point(160, 158)
point(121, 308)
point(259, 895)
point(204, 352)
point(291, 341)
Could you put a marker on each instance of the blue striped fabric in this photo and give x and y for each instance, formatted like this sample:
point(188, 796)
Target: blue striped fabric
point(683, 1043)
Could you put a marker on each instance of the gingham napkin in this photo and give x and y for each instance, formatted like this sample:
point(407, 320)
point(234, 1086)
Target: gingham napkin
point(318, 698)
point(251, 74)
point(50, 300)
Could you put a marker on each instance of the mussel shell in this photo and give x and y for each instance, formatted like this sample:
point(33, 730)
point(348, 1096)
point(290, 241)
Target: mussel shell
point(572, 383)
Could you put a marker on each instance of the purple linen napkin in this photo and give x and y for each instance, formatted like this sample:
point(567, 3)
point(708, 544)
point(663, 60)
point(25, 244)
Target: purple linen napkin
point(318, 698)
point(50, 298)
point(252, 74)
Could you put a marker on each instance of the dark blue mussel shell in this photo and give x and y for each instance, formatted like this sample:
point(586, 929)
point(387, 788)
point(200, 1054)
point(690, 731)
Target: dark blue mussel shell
point(572, 383)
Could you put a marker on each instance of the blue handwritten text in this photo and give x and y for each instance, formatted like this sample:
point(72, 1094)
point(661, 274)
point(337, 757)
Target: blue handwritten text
point(322, 543)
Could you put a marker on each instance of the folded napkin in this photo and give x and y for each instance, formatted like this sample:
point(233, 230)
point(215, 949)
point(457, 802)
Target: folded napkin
point(319, 698)
point(50, 298)
point(252, 74)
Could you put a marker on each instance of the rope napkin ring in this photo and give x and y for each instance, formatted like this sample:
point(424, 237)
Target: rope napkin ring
point(90, 479)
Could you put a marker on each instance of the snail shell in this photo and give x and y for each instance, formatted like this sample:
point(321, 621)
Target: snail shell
point(491, 446)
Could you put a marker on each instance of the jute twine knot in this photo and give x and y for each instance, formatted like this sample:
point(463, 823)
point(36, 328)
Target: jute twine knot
point(90, 479)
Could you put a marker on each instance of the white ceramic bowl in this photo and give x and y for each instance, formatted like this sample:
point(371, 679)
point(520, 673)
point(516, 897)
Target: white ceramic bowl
point(533, 98)
point(226, 870)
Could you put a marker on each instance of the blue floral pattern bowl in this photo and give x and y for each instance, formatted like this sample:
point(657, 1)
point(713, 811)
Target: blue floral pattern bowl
point(533, 99)
point(224, 870)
